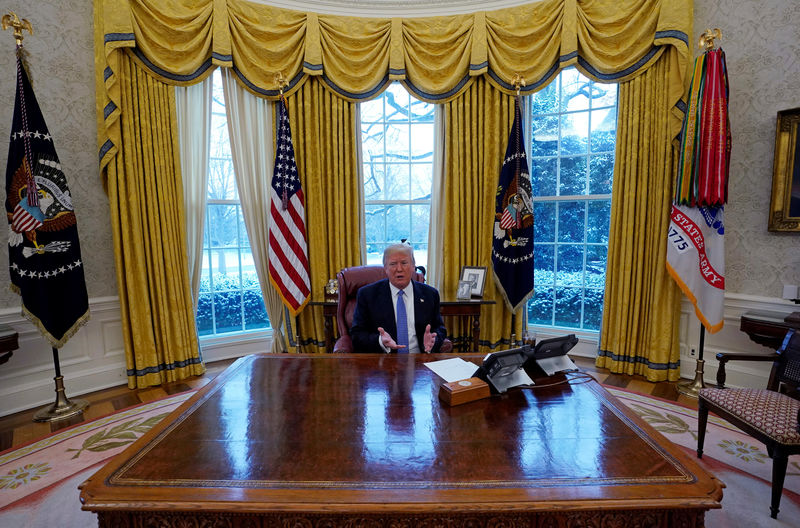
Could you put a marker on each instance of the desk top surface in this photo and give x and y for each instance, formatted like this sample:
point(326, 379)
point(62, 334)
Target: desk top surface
point(289, 431)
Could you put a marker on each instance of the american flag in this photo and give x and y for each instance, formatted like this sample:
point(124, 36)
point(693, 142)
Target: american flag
point(288, 251)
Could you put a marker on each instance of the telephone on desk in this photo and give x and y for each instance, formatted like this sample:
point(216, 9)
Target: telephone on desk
point(507, 368)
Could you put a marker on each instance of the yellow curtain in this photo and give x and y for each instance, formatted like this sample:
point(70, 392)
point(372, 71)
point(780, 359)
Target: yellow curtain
point(641, 309)
point(438, 59)
point(356, 57)
point(324, 132)
point(477, 124)
point(144, 190)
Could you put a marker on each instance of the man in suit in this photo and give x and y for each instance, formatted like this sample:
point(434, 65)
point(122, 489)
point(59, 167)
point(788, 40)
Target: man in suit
point(381, 309)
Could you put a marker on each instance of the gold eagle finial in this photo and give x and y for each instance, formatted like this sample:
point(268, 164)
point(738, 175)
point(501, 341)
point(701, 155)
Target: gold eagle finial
point(12, 20)
point(707, 38)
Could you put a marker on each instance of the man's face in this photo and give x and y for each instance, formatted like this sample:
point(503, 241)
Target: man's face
point(399, 267)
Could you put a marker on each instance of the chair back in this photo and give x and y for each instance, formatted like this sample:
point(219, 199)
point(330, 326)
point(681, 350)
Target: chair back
point(788, 363)
point(350, 281)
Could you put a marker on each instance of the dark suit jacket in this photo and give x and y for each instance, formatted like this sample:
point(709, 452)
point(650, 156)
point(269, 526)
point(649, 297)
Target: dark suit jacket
point(374, 308)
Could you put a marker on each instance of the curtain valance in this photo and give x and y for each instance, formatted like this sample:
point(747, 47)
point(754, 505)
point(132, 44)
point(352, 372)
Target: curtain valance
point(436, 58)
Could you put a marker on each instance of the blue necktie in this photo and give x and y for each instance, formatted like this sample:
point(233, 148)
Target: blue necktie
point(402, 323)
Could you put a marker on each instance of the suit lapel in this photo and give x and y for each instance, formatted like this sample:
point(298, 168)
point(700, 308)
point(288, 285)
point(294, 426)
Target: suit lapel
point(386, 294)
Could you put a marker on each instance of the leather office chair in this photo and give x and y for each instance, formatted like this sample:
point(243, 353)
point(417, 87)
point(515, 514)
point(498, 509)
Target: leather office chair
point(770, 415)
point(350, 280)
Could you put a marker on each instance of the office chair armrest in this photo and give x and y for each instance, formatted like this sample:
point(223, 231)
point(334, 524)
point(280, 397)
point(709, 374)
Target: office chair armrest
point(724, 357)
point(344, 345)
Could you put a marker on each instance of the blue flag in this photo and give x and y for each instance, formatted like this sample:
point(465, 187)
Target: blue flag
point(512, 244)
point(43, 252)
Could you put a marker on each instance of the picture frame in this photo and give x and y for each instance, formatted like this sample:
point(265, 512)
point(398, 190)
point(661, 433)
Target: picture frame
point(476, 276)
point(464, 290)
point(784, 208)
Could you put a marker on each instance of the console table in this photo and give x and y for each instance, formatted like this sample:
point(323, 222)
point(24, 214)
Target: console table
point(469, 309)
point(8, 343)
point(766, 328)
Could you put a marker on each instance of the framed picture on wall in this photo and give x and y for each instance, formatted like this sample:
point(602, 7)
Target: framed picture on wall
point(784, 209)
point(476, 276)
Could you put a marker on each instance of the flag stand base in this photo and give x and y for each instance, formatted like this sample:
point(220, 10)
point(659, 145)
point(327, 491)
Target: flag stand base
point(691, 388)
point(62, 408)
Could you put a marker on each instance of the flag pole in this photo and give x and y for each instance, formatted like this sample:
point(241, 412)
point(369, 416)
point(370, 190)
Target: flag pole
point(692, 388)
point(62, 407)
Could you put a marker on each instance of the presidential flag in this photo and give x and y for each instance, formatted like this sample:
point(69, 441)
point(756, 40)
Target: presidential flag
point(288, 252)
point(44, 255)
point(695, 247)
point(512, 244)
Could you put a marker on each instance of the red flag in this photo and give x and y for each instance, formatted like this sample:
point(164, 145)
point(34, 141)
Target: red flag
point(288, 251)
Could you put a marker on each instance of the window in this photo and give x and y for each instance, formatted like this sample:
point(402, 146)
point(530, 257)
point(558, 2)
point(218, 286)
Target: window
point(397, 151)
point(230, 297)
point(572, 138)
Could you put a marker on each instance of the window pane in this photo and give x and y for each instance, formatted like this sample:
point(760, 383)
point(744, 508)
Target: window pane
point(574, 133)
point(544, 136)
point(544, 175)
point(398, 223)
point(544, 222)
point(573, 176)
point(568, 307)
point(601, 172)
point(255, 313)
point(422, 142)
point(599, 218)
point(373, 181)
point(398, 179)
point(571, 223)
point(420, 219)
point(570, 265)
point(540, 308)
point(543, 264)
point(545, 100)
point(375, 223)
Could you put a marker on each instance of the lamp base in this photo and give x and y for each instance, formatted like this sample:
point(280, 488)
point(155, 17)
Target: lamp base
point(62, 408)
point(692, 388)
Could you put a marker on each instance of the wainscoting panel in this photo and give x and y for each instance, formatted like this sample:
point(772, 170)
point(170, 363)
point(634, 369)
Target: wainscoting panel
point(93, 359)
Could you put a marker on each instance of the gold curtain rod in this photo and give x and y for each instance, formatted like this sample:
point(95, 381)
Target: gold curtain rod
point(12, 20)
point(707, 39)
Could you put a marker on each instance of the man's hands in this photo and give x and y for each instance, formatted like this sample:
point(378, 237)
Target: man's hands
point(387, 340)
point(428, 340)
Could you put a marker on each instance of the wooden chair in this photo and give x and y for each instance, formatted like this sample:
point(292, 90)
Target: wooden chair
point(350, 281)
point(769, 415)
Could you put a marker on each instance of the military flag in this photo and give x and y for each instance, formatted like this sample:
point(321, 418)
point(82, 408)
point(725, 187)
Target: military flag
point(695, 248)
point(288, 251)
point(512, 243)
point(44, 254)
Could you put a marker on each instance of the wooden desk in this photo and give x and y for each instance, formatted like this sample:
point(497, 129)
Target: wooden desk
point(362, 440)
point(469, 310)
point(766, 328)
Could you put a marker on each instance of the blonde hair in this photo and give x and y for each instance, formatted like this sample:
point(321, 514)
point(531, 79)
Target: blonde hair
point(398, 248)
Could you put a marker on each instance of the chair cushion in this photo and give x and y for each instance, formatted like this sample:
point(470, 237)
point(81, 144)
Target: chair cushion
point(772, 413)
